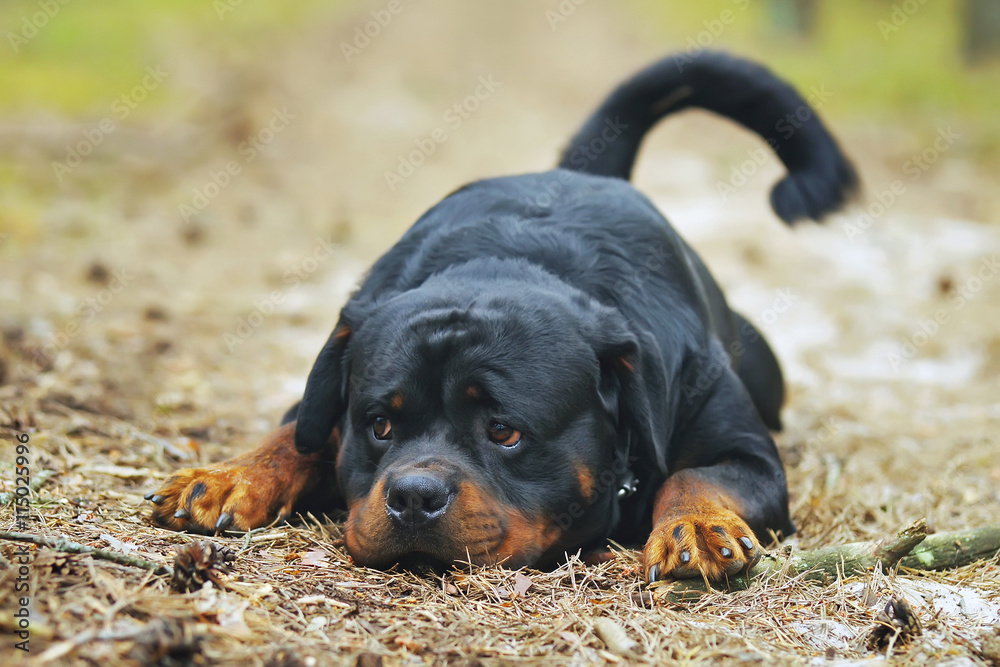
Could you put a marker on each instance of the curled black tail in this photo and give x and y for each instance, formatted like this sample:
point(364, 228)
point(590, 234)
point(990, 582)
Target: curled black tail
point(820, 178)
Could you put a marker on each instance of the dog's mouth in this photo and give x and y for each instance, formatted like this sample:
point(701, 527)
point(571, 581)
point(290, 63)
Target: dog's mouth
point(475, 529)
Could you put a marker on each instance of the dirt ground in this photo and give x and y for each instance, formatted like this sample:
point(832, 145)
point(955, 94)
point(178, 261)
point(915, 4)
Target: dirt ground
point(144, 332)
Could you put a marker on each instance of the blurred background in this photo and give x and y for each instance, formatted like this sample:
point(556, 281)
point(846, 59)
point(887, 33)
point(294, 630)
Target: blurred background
point(189, 190)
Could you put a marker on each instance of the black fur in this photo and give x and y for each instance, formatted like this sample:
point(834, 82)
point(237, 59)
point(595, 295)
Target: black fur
point(584, 320)
point(819, 180)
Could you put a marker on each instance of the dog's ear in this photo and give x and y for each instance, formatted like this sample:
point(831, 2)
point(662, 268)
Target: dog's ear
point(633, 388)
point(325, 399)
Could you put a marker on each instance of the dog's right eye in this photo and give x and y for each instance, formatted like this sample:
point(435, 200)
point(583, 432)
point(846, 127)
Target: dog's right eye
point(382, 428)
point(504, 435)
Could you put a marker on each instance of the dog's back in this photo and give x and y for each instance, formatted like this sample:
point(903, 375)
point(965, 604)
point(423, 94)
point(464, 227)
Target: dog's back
point(585, 224)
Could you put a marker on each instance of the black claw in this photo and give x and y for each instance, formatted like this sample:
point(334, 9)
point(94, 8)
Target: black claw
point(726, 552)
point(685, 557)
point(182, 514)
point(149, 496)
point(224, 522)
point(155, 499)
point(654, 573)
point(747, 543)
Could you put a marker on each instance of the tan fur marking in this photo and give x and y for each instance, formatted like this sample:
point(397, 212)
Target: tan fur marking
point(696, 524)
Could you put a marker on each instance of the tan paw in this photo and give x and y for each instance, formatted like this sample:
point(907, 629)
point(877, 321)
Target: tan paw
point(207, 500)
point(715, 544)
point(247, 492)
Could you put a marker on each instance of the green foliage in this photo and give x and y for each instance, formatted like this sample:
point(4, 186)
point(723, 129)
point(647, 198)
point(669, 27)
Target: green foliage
point(85, 54)
point(874, 66)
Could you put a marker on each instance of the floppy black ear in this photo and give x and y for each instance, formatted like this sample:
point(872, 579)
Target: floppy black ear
point(325, 398)
point(633, 387)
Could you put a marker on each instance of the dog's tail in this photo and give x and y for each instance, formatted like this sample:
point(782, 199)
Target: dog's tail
point(820, 178)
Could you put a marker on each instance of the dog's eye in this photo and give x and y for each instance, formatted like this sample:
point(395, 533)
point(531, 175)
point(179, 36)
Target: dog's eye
point(504, 435)
point(382, 428)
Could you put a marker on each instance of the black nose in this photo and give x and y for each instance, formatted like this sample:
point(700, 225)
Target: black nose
point(415, 500)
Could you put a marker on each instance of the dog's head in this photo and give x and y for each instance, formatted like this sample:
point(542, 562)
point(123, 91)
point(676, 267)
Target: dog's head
point(482, 417)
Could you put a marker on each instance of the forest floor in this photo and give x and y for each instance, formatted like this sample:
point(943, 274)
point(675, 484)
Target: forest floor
point(144, 332)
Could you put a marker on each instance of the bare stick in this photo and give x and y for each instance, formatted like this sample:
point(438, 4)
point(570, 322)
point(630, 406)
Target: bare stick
point(69, 547)
point(910, 548)
point(954, 549)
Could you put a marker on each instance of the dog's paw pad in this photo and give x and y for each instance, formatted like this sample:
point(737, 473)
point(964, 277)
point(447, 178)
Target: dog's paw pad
point(714, 545)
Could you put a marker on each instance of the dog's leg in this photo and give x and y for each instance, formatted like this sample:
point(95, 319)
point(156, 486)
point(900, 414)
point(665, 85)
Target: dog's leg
point(727, 491)
point(760, 372)
point(255, 489)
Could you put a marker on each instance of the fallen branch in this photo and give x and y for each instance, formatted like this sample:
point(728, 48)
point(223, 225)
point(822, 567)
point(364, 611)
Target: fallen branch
point(910, 548)
point(66, 546)
point(954, 549)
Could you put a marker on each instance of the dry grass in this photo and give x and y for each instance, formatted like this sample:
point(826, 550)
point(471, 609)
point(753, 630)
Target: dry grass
point(149, 384)
point(294, 597)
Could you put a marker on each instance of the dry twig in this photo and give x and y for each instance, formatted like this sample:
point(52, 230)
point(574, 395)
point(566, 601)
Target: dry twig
point(66, 546)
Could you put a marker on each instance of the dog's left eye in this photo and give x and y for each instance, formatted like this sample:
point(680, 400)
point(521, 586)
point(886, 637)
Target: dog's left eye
point(382, 428)
point(504, 435)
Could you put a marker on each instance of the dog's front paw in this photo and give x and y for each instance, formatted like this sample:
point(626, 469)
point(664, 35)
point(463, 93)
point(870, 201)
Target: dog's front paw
point(247, 492)
point(714, 544)
point(215, 498)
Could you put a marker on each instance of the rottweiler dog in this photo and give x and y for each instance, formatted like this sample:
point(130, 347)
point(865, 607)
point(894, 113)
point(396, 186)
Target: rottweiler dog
point(541, 363)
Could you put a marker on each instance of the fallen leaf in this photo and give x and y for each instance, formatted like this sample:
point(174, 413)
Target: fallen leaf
point(521, 584)
point(614, 636)
point(316, 557)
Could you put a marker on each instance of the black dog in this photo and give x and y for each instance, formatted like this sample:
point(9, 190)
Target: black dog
point(506, 385)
